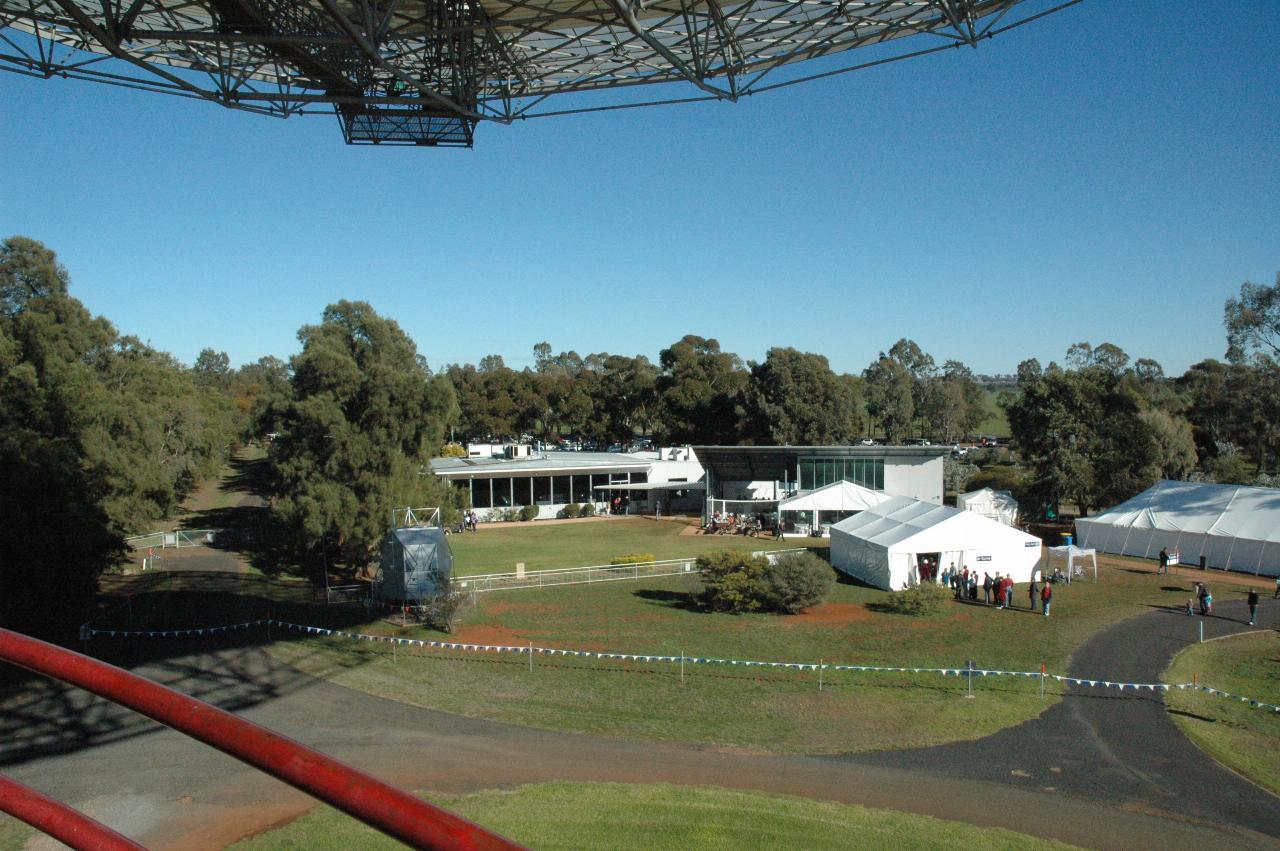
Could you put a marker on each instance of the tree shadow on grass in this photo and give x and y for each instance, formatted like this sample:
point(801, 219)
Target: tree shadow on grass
point(668, 599)
point(41, 717)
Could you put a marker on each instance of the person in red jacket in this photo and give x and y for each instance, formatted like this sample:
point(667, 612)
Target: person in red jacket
point(1046, 594)
point(1007, 585)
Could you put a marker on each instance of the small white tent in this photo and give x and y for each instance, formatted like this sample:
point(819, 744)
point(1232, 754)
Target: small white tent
point(1071, 555)
point(836, 500)
point(881, 545)
point(999, 506)
point(1234, 527)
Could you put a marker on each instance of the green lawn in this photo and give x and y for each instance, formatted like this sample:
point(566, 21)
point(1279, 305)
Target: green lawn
point(1239, 736)
point(497, 548)
point(661, 816)
point(778, 710)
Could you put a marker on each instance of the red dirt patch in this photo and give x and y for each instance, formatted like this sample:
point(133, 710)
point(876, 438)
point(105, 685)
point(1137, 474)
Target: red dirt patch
point(488, 634)
point(831, 613)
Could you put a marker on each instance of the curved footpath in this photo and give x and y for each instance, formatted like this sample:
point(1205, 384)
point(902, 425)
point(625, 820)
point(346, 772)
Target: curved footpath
point(1097, 770)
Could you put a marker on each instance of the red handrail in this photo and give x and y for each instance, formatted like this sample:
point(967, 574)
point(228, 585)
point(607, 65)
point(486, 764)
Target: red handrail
point(396, 813)
point(60, 821)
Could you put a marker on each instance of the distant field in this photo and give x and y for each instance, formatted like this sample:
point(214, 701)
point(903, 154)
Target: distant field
point(996, 423)
point(497, 548)
point(619, 817)
point(1238, 735)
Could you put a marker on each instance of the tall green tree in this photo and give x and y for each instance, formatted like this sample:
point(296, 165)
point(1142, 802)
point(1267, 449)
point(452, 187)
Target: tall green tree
point(1253, 322)
point(365, 415)
point(795, 398)
point(700, 392)
point(890, 397)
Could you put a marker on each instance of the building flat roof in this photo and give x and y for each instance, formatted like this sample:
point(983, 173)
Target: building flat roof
point(774, 463)
point(555, 463)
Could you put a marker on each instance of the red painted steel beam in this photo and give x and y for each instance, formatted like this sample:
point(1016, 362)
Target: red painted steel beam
point(399, 814)
point(68, 826)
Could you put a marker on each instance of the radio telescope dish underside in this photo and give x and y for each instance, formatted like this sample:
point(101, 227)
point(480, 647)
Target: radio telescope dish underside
point(425, 72)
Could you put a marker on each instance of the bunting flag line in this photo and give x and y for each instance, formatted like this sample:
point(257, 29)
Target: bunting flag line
point(304, 629)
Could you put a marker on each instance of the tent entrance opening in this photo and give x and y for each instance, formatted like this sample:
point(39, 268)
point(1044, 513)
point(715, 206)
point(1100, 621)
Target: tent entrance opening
point(927, 566)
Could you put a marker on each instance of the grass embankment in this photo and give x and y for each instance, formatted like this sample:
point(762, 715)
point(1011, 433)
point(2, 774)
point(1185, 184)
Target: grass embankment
point(496, 549)
point(1239, 736)
point(661, 816)
point(768, 709)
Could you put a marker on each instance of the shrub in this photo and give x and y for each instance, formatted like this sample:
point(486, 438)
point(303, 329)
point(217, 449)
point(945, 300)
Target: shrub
point(443, 610)
point(795, 582)
point(572, 510)
point(925, 599)
point(588, 509)
point(633, 558)
point(505, 515)
point(730, 582)
point(529, 512)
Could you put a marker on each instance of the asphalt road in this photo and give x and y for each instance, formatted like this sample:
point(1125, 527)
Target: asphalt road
point(1097, 770)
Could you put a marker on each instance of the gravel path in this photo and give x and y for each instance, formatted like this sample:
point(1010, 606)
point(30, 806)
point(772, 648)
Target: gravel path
point(1096, 770)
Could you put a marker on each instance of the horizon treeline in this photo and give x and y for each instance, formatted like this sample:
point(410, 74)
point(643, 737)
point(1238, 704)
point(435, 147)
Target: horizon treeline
point(101, 434)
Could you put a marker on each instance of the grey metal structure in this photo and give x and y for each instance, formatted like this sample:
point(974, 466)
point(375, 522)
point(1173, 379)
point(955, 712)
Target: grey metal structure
point(425, 72)
point(415, 561)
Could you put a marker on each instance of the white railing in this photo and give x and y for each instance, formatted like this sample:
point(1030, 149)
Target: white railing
point(178, 538)
point(589, 575)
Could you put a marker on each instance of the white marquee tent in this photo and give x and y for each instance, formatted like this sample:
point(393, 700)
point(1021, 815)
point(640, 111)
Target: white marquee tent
point(1233, 526)
point(999, 506)
point(880, 545)
point(837, 500)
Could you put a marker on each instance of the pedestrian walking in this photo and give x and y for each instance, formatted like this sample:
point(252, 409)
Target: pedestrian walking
point(986, 589)
point(1046, 596)
point(1253, 606)
point(1032, 591)
point(1164, 560)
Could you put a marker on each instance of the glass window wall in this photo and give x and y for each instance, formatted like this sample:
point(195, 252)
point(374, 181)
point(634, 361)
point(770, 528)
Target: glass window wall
point(560, 490)
point(501, 493)
point(541, 490)
point(481, 494)
point(581, 487)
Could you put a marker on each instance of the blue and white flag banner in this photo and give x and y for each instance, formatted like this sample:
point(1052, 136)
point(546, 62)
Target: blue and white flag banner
point(690, 660)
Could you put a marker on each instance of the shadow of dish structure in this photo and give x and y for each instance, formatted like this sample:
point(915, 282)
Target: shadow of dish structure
point(415, 562)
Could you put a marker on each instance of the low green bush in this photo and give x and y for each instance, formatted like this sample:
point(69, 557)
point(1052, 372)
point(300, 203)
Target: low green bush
point(588, 509)
point(529, 512)
point(925, 599)
point(633, 558)
point(795, 582)
point(572, 510)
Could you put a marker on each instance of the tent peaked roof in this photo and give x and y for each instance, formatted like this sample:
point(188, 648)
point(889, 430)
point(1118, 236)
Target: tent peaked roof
point(837, 496)
point(902, 518)
point(1236, 511)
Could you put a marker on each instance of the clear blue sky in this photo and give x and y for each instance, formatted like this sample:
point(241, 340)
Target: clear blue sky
point(1110, 173)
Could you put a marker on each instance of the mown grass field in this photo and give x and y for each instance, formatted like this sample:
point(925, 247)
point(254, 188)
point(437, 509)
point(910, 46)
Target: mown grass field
point(542, 546)
point(1239, 736)
point(619, 817)
point(766, 709)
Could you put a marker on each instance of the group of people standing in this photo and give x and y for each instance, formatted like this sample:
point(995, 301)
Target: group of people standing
point(999, 588)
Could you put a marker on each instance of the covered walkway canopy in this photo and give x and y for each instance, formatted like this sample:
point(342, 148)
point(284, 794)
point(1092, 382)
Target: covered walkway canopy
point(1233, 527)
point(834, 502)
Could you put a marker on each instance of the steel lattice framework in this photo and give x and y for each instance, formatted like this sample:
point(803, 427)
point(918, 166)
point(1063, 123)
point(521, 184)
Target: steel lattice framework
point(427, 71)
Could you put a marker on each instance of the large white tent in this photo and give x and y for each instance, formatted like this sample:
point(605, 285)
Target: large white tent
point(999, 506)
point(1232, 526)
point(836, 500)
point(881, 544)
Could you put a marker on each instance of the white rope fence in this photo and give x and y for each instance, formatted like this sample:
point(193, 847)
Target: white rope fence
point(87, 632)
